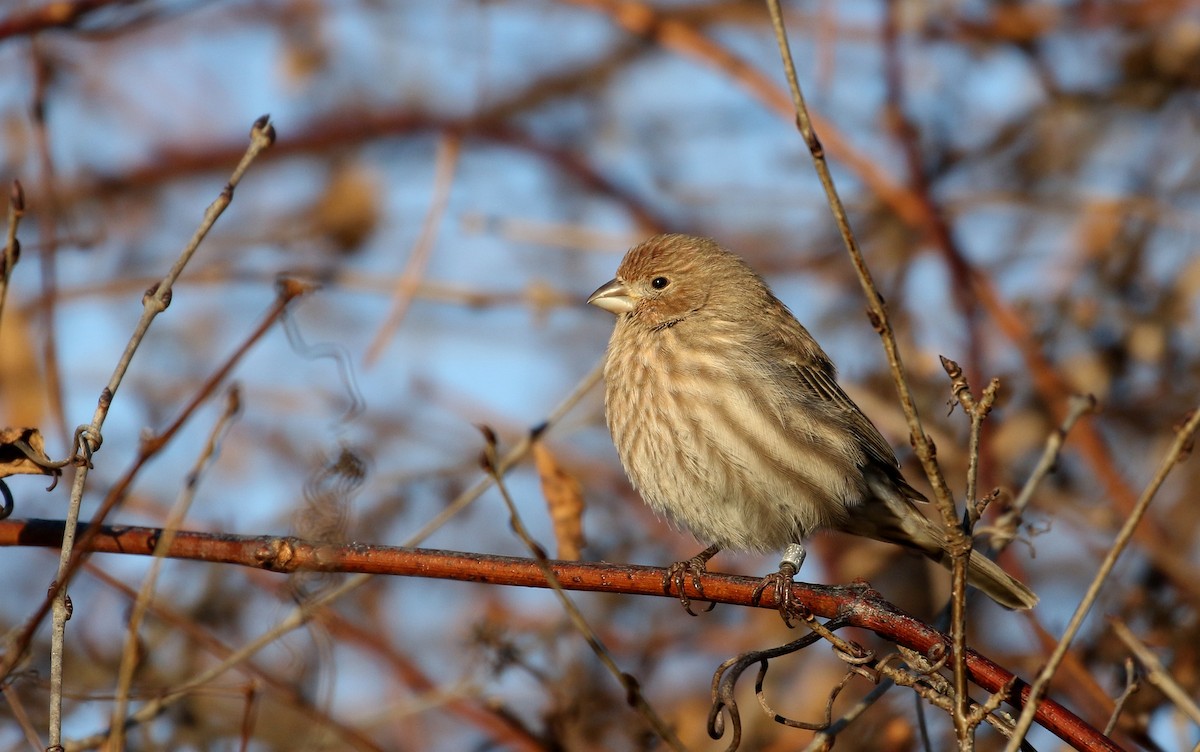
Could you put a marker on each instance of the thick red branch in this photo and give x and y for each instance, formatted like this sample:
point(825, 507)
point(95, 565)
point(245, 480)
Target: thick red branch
point(859, 603)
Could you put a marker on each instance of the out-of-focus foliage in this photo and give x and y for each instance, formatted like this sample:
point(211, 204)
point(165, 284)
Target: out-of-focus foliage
point(458, 176)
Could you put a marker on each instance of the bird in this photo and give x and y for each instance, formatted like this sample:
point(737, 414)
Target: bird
point(728, 419)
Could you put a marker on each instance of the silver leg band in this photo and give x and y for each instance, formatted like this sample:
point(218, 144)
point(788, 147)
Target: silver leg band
point(794, 555)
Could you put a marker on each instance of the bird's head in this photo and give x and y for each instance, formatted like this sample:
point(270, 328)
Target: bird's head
point(669, 278)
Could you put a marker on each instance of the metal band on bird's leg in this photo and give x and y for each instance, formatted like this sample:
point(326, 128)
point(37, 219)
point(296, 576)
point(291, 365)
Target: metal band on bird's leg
point(793, 556)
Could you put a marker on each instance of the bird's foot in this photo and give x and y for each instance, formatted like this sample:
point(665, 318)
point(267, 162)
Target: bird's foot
point(780, 583)
point(679, 572)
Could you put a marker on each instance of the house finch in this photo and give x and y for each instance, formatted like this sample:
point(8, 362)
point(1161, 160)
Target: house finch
point(728, 417)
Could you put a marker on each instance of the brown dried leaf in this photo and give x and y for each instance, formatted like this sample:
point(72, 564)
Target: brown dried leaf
point(348, 211)
point(14, 461)
point(22, 386)
point(564, 500)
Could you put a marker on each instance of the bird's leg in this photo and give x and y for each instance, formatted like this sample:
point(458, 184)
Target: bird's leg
point(678, 573)
point(781, 582)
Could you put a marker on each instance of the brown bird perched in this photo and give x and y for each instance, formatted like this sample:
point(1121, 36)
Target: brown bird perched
point(727, 416)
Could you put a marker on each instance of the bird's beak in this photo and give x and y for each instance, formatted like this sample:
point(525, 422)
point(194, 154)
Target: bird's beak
point(613, 296)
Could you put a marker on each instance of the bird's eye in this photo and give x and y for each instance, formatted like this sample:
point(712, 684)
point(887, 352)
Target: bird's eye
point(659, 283)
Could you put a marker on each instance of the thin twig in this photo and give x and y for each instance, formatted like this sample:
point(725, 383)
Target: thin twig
point(1179, 447)
point(1157, 675)
point(976, 410)
point(1006, 526)
point(824, 739)
point(154, 302)
point(514, 455)
point(633, 692)
point(934, 689)
point(725, 679)
point(444, 167)
point(961, 553)
point(130, 653)
point(1131, 686)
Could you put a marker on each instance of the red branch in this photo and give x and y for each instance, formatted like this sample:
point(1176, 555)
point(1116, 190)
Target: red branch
point(859, 604)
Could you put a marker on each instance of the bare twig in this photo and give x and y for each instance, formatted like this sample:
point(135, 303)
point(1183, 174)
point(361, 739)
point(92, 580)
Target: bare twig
point(960, 549)
point(154, 302)
point(1132, 685)
point(725, 679)
point(130, 654)
point(511, 458)
point(1156, 674)
point(406, 286)
point(1006, 526)
point(629, 683)
point(1179, 447)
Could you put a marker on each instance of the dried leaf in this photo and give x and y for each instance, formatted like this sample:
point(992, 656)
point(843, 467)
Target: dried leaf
point(348, 211)
point(22, 386)
point(14, 461)
point(564, 499)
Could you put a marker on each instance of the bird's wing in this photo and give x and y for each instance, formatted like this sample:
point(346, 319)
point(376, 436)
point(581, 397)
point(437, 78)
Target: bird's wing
point(821, 384)
point(799, 358)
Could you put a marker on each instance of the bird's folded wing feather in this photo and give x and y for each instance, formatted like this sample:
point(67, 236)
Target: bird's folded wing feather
point(822, 385)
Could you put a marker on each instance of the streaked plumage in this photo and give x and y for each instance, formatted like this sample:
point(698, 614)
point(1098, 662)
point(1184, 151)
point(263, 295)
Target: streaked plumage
point(728, 418)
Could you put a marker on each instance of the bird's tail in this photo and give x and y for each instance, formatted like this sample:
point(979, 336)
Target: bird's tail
point(894, 518)
point(995, 583)
point(982, 572)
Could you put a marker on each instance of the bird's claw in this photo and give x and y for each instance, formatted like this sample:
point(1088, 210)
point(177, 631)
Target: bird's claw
point(677, 574)
point(780, 584)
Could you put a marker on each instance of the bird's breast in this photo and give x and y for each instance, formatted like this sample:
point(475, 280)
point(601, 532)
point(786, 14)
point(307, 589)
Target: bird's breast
point(704, 438)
